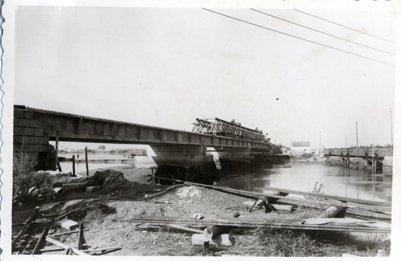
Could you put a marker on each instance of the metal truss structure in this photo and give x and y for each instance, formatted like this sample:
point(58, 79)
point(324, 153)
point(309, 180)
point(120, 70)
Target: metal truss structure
point(228, 129)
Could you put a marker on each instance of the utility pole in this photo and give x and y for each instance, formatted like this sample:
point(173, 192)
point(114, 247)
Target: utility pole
point(320, 140)
point(357, 145)
point(391, 128)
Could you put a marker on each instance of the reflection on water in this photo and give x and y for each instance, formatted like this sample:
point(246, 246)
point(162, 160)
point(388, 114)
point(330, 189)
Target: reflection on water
point(336, 180)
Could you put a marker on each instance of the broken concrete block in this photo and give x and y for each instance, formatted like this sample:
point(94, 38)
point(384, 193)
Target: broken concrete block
point(74, 186)
point(92, 189)
point(67, 224)
point(220, 240)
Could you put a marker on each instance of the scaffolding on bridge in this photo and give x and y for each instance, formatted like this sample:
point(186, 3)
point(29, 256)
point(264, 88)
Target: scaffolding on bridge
point(229, 129)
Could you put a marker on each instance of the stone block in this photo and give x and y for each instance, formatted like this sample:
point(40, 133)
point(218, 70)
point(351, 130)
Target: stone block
point(32, 140)
point(17, 147)
point(67, 224)
point(28, 114)
point(18, 114)
point(34, 123)
point(39, 132)
point(18, 131)
point(21, 123)
point(43, 148)
point(18, 139)
point(29, 132)
point(35, 148)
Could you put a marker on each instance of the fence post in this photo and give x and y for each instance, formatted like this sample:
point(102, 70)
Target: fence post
point(86, 161)
point(73, 165)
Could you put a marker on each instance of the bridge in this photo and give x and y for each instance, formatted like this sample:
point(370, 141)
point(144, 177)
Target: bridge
point(34, 128)
point(372, 156)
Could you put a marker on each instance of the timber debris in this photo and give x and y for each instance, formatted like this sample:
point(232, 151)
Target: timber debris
point(219, 224)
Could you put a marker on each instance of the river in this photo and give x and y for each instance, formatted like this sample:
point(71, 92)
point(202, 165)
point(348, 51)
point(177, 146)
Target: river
point(336, 180)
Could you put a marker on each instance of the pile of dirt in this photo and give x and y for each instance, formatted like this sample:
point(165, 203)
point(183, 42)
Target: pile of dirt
point(114, 180)
point(110, 181)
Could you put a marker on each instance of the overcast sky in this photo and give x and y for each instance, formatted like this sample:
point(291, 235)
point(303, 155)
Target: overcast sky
point(167, 67)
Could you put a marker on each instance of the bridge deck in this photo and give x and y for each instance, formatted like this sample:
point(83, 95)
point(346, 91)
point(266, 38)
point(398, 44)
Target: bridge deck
point(70, 127)
point(360, 152)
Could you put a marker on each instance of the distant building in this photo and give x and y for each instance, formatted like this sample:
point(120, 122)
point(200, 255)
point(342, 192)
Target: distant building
point(300, 147)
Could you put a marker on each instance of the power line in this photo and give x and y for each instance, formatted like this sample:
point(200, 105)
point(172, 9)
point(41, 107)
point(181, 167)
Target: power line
point(295, 36)
point(321, 32)
point(344, 26)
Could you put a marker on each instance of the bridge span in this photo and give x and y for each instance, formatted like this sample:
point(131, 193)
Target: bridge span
point(34, 128)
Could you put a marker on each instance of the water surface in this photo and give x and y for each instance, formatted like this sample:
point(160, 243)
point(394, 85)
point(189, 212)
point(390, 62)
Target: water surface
point(336, 180)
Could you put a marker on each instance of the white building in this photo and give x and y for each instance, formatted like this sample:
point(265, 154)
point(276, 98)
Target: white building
point(298, 147)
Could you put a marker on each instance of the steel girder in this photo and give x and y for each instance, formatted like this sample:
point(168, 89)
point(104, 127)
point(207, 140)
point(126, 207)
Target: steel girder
point(229, 129)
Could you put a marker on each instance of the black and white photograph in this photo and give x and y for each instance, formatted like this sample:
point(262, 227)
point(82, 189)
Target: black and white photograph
point(200, 130)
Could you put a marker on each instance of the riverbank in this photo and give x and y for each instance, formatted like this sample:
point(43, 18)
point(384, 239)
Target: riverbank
point(105, 213)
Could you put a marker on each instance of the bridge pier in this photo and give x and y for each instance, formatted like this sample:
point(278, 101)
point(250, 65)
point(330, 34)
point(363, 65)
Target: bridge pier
point(30, 140)
point(178, 155)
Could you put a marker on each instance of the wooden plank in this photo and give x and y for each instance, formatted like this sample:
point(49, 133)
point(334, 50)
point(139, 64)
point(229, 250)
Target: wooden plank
point(51, 250)
point(360, 201)
point(66, 233)
point(368, 214)
point(101, 251)
point(40, 241)
point(188, 229)
point(27, 222)
point(65, 246)
point(249, 223)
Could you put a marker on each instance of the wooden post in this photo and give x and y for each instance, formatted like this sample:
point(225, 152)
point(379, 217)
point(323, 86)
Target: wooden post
point(205, 247)
point(81, 240)
point(73, 165)
point(57, 162)
point(86, 161)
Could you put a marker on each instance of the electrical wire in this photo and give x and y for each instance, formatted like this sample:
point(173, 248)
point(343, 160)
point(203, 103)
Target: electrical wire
point(300, 38)
point(344, 26)
point(321, 31)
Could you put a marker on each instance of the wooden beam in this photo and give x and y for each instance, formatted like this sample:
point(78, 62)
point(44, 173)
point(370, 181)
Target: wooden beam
point(273, 223)
point(65, 246)
point(187, 229)
point(360, 201)
point(41, 240)
point(27, 222)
